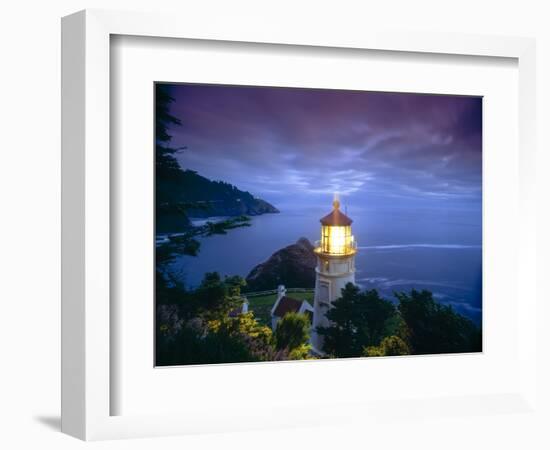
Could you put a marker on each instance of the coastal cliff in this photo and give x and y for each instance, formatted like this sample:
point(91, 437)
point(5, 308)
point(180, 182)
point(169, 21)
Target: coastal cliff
point(190, 195)
point(293, 266)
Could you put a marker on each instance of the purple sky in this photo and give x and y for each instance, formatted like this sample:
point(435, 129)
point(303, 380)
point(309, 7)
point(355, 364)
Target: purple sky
point(292, 146)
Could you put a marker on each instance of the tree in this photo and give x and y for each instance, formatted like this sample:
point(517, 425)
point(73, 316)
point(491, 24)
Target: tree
point(191, 345)
point(257, 338)
point(232, 339)
point(165, 160)
point(436, 328)
point(390, 346)
point(216, 298)
point(358, 320)
point(292, 334)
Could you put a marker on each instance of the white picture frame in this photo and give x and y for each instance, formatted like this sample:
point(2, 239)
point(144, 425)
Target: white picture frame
point(86, 248)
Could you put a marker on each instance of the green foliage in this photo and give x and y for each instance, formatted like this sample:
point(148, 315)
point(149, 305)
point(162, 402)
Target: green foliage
point(257, 338)
point(190, 345)
point(362, 323)
point(359, 320)
point(300, 352)
point(292, 333)
point(390, 346)
point(201, 330)
point(232, 339)
point(200, 326)
point(436, 328)
point(217, 297)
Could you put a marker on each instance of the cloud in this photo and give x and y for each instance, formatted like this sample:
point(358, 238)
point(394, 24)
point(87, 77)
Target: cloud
point(278, 142)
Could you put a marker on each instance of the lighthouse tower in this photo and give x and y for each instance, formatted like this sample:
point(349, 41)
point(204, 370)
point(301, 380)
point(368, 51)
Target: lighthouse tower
point(335, 267)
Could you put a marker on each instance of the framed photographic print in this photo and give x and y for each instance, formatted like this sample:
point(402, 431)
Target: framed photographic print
point(298, 224)
point(257, 214)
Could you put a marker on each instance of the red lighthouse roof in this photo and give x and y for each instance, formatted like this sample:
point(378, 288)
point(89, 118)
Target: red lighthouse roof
point(336, 217)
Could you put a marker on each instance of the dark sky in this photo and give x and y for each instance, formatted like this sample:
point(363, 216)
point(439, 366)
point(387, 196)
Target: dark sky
point(299, 146)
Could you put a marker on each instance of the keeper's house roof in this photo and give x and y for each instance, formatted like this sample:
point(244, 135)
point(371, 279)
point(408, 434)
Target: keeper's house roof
point(336, 219)
point(286, 305)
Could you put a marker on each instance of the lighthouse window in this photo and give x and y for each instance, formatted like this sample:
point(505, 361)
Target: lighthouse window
point(336, 240)
point(325, 239)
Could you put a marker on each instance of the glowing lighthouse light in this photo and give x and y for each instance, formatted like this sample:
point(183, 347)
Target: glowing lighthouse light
point(336, 237)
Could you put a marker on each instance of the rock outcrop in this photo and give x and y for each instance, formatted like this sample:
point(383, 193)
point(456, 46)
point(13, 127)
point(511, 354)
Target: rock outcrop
point(293, 266)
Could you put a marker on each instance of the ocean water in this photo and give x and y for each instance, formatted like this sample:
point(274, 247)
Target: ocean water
point(397, 250)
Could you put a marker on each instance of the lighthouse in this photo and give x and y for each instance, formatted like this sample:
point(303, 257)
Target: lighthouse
point(335, 267)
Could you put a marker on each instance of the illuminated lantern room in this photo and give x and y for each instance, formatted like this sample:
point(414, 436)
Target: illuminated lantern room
point(336, 237)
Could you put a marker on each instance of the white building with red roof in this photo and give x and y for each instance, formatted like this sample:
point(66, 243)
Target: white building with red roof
point(286, 304)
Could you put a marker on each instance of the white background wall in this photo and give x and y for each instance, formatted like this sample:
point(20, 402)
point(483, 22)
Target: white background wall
point(30, 195)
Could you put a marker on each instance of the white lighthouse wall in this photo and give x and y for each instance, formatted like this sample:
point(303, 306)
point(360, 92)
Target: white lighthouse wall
point(333, 273)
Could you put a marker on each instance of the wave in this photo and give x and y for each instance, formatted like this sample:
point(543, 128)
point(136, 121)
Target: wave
point(386, 283)
point(406, 246)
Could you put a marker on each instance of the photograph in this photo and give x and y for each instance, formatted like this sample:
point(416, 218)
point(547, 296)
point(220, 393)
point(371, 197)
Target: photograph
point(296, 223)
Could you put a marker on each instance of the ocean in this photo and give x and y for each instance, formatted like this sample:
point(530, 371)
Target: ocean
point(433, 249)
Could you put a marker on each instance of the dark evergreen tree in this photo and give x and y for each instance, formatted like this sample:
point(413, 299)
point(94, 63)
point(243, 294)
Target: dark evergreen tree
point(436, 328)
point(358, 320)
